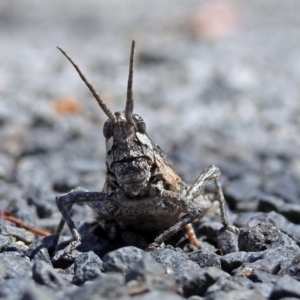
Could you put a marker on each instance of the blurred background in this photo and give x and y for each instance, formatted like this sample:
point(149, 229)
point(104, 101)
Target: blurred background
point(217, 82)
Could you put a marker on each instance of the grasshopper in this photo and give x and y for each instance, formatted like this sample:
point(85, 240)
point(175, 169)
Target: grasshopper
point(142, 191)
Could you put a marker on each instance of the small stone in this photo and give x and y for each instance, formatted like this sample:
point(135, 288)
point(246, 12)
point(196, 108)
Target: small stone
point(42, 254)
point(233, 260)
point(167, 257)
point(242, 294)
point(228, 284)
point(211, 230)
point(276, 219)
point(44, 274)
point(265, 289)
point(261, 276)
point(44, 209)
point(145, 266)
point(258, 238)
point(242, 192)
point(197, 281)
point(270, 260)
point(286, 286)
point(147, 272)
point(24, 288)
point(19, 233)
point(205, 259)
point(4, 242)
point(121, 260)
point(108, 286)
point(289, 210)
point(153, 295)
point(195, 298)
point(293, 269)
point(21, 250)
point(227, 241)
point(15, 266)
point(87, 266)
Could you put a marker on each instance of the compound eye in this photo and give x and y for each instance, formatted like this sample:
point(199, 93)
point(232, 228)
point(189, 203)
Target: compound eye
point(107, 131)
point(141, 125)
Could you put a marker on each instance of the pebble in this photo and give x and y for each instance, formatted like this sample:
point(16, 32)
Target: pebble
point(236, 295)
point(121, 260)
point(228, 284)
point(242, 192)
point(4, 242)
point(227, 241)
point(160, 295)
point(205, 259)
point(169, 258)
point(147, 273)
point(87, 266)
point(110, 285)
point(258, 238)
point(233, 260)
point(276, 219)
point(197, 281)
point(24, 288)
point(289, 210)
point(44, 274)
point(15, 266)
point(19, 233)
point(286, 286)
point(293, 269)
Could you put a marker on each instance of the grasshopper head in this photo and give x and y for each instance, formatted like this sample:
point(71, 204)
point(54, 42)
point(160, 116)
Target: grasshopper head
point(128, 157)
point(128, 160)
point(129, 150)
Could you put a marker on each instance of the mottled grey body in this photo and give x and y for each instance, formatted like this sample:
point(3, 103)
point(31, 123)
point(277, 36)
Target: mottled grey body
point(142, 189)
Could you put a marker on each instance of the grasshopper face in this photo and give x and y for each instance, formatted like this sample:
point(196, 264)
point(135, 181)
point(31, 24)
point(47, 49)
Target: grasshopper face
point(129, 156)
point(130, 153)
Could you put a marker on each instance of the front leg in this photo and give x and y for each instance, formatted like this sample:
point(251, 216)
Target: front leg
point(67, 207)
point(64, 204)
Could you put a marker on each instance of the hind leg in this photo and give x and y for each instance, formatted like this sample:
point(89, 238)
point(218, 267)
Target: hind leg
point(212, 173)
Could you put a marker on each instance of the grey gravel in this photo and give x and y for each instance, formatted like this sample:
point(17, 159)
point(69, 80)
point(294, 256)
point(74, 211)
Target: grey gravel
point(286, 287)
point(150, 275)
point(121, 260)
point(293, 269)
point(168, 257)
point(257, 238)
point(87, 266)
point(228, 242)
point(18, 233)
point(231, 100)
point(205, 259)
point(197, 281)
point(276, 219)
point(233, 260)
point(242, 294)
point(228, 284)
point(44, 274)
point(105, 286)
point(160, 295)
point(4, 242)
point(15, 266)
point(24, 288)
